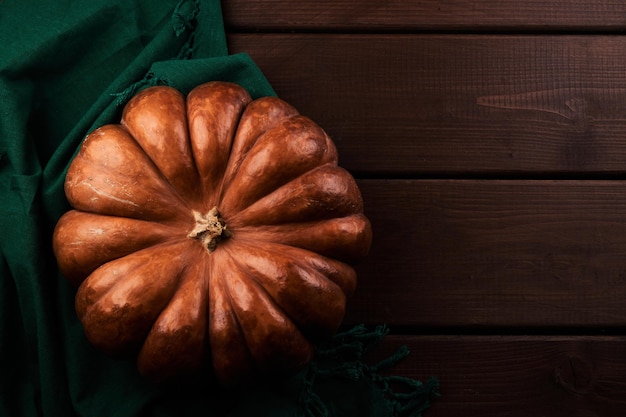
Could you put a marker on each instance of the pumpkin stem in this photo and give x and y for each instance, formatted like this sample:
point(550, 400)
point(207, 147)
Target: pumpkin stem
point(210, 228)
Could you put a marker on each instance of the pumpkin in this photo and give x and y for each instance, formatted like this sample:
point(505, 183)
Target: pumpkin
point(211, 231)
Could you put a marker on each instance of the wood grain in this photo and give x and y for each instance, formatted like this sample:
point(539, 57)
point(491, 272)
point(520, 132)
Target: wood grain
point(457, 105)
point(518, 376)
point(494, 254)
point(420, 15)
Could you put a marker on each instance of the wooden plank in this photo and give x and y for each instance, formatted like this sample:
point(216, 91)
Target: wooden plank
point(456, 105)
point(491, 254)
point(421, 15)
point(518, 376)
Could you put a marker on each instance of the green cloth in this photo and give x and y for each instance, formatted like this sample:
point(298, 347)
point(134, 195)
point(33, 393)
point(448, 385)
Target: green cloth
point(67, 67)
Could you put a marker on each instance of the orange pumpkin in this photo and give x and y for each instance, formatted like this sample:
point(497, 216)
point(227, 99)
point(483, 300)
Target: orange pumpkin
point(212, 230)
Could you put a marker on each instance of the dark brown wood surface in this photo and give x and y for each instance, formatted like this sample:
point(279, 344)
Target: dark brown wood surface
point(520, 376)
point(494, 253)
point(416, 15)
point(489, 142)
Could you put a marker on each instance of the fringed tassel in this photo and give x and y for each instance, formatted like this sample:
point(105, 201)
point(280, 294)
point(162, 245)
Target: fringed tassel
point(352, 343)
point(184, 19)
point(342, 358)
point(187, 50)
point(184, 16)
point(148, 81)
point(311, 405)
point(408, 397)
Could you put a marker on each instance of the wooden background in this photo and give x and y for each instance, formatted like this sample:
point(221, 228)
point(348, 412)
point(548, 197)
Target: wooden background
point(489, 141)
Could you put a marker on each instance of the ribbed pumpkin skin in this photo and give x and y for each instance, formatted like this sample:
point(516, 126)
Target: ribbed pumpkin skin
point(210, 230)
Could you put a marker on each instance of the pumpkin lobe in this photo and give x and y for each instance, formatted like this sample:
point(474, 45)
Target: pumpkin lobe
point(210, 228)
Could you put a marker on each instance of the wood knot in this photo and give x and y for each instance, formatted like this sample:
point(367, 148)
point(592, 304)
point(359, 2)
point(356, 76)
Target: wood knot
point(574, 375)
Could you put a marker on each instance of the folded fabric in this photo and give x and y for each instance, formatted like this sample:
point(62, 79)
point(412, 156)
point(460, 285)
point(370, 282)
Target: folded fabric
point(67, 67)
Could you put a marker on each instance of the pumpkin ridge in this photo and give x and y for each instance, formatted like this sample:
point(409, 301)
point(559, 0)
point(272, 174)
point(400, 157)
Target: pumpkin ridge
point(166, 328)
point(101, 238)
point(233, 312)
point(213, 112)
point(223, 181)
point(98, 179)
point(285, 152)
point(231, 172)
point(315, 260)
point(311, 279)
point(120, 329)
point(253, 278)
point(324, 192)
point(259, 117)
point(259, 353)
point(345, 238)
point(128, 274)
point(156, 119)
point(187, 202)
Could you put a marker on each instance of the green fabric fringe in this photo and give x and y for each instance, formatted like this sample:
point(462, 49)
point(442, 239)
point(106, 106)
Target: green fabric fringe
point(149, 80)
point(184, 19)
point(184, 16)
point(342, 359)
